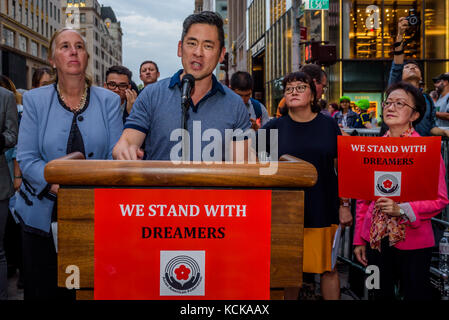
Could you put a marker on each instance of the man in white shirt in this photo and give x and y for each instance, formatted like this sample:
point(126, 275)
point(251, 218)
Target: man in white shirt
point(442, 104)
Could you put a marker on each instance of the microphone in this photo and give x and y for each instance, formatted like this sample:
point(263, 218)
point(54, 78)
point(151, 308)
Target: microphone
point(187, 83)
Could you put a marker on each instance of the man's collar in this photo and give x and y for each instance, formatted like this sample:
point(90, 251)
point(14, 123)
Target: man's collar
point(217, 86)
point(176, 80)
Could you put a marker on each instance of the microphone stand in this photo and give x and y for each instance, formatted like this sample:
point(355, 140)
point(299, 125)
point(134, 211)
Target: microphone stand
point(188, 82)
point(185, 143)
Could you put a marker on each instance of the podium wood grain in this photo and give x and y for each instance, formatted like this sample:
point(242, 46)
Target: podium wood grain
point(288, 174)
point(76, 238)
point(76, 206)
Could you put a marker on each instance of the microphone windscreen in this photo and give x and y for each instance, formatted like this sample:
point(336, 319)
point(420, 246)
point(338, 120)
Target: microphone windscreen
point(189, 78)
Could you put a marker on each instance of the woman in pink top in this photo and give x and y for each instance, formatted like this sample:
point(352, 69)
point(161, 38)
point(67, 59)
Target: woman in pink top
point(398, 237)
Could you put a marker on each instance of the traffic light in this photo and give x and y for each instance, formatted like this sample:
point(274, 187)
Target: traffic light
point(312, 52)
point(328, 54)
point(323, 54)
point(225, 67)
point(225, 63)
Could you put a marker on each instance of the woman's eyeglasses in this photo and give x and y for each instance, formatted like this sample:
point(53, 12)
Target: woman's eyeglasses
point(398, 104)
point(299, 88)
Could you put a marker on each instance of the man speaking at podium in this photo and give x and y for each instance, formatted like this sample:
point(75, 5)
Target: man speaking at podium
point(157, 112)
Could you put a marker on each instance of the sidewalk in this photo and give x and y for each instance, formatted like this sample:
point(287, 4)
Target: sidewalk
point(345, 292)
point(17, 294)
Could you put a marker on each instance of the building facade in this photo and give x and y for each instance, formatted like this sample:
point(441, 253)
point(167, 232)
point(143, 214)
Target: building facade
point(237, 36)
point(208, 5)
point(26, 27)
point(220, 7)
point(198, 6)
point(364, 32)
point(273, 47)
point(102, 31)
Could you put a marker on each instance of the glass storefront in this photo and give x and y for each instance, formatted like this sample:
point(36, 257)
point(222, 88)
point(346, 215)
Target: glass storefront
point(436, 29)
point(362, 30)
point(279, 62)
point(373, 28)
point(366, 33)
point(269, 38)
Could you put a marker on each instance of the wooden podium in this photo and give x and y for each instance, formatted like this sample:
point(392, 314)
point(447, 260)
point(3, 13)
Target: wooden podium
point(79, 178)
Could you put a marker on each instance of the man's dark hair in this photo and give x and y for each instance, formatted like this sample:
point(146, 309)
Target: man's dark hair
point(205, 17)
point(335, 106)
point(38, 74)
point(242, 81)
point(323, 104)
point(314, 71)
point(120, 70)
point(303, 77)
point(148, 61)
point(134, 87)
point(418, 97)
point(414, 62)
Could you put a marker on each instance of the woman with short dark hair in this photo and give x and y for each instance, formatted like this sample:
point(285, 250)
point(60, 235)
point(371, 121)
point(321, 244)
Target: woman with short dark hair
point(304, 132)
point(333, 109)
point(398, 237)
point(41, 77)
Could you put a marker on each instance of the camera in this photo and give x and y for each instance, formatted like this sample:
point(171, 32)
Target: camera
point(413, 19)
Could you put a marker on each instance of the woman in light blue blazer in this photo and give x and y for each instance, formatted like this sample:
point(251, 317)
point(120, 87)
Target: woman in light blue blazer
point(67, 116)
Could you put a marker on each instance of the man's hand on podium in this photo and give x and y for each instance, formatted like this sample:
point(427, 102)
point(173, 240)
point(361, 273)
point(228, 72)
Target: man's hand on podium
point(54, 189)
point(127, 148)
point(129, 152)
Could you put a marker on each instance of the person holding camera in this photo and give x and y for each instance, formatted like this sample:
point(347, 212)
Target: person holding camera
point(411, 73)
point(442, 104)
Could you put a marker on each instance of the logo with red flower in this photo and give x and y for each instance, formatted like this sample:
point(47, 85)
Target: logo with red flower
point(182, 274)
point(388, 184)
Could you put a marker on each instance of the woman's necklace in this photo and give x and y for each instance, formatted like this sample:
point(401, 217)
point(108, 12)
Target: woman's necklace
point(82, 101)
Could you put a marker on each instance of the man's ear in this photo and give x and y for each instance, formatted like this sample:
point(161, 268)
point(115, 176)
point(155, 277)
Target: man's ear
point(180, 48)
point(222, 54)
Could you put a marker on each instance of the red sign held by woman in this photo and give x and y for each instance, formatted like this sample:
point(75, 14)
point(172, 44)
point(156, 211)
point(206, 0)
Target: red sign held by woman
point(404, 169)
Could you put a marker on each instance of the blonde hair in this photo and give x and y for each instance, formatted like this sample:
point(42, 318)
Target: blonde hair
point(6, 83)
point(51, 52)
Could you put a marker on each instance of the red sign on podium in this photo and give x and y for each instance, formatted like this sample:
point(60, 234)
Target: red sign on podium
point(404, 169)
point(182, 244)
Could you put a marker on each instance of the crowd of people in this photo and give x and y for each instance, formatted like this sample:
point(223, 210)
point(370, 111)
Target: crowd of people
point(362, 113)
point(64, 113)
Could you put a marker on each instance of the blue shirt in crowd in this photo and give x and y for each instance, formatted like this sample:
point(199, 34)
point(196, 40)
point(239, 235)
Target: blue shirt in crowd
point(157, 112)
